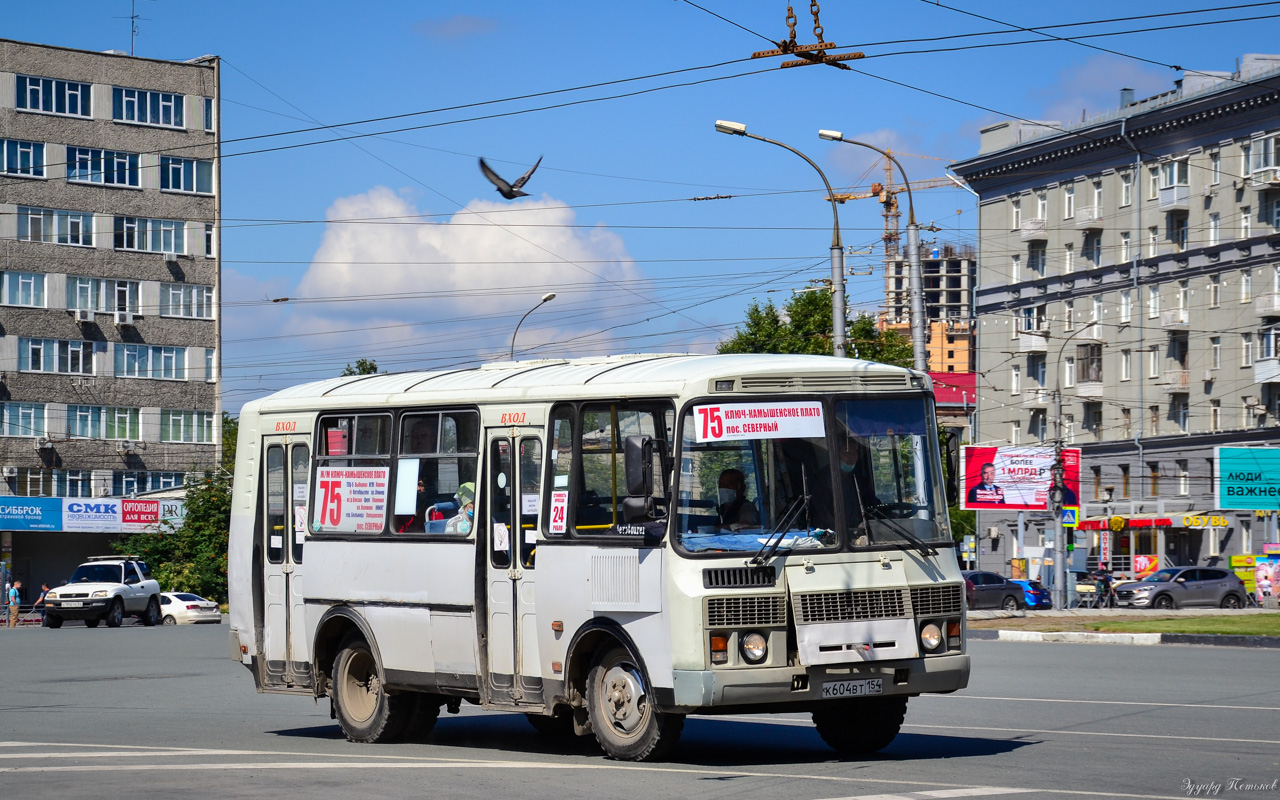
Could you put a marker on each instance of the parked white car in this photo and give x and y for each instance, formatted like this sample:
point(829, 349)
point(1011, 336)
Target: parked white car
point(106, 588)
point(182, 608)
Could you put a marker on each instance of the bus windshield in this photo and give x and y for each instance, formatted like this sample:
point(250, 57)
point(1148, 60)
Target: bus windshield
point(812, 474)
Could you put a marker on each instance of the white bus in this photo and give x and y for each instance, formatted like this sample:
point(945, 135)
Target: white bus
point(605, 545)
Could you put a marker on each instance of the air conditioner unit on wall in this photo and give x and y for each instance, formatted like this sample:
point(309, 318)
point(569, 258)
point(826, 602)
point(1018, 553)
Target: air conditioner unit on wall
point(124, 446)
point(171, 258)
point(43, 443)
point(993, 532)
point(84, 315)
point(9, 472)
point(124, 317)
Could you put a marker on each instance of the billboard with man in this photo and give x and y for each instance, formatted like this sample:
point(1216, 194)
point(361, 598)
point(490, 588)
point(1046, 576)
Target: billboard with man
point(1016, 478)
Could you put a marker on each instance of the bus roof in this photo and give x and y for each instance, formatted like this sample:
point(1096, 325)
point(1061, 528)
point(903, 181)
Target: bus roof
point(635, 375)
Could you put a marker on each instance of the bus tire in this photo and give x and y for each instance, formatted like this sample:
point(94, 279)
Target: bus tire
point(860, 727)
point(366, 712)
point(559, 725)
point(426, 710)
point(623, 717)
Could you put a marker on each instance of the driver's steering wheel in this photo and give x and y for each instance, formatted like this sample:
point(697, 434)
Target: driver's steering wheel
point(897, 510)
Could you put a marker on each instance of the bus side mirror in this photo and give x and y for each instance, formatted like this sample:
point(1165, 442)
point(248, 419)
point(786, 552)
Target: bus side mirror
point(951, 442)
point(639, 465)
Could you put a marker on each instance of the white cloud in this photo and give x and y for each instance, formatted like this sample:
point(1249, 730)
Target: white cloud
point(504, 255)
point(1093, 87)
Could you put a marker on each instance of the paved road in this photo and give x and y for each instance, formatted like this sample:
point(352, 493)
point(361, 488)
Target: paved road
point(163, 712)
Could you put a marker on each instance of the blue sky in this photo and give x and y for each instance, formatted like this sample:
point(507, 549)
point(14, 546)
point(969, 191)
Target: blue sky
point(394, 247)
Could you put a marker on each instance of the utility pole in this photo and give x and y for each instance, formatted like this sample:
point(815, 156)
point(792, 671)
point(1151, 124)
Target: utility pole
point(1059, 594)
point(917, 293)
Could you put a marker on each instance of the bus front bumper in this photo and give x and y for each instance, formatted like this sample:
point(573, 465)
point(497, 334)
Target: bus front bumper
point(709, 689)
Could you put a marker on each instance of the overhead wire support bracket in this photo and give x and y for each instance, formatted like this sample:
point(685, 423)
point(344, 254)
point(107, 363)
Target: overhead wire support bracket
point(809, 53)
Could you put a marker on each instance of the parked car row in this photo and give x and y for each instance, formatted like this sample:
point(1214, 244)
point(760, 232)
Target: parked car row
point(110, 588)
point(1174, 587)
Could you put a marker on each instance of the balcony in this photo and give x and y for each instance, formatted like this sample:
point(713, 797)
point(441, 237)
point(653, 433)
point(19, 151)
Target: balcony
point(1175, 320)
point(1089, 218)
point(1175, 198)
point(1033, 230)
point(1267, 305)
point(1038, 398)
point(1033, 342)
point(1091, 333)
point(1268, 178)
point(1177, 381)
point(1266, 370)
point(1089, 389)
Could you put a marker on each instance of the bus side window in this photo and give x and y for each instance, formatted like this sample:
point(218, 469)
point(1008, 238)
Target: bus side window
point(299, 470)
point(560, 469)
point(438, 453)
point(275, 500)
point(530, 494)
point(604, 430)
point(497, 504)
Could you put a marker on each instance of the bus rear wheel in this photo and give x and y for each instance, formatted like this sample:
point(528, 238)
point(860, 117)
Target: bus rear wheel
point(365, 710)
point(620, 707)
point(860, 727)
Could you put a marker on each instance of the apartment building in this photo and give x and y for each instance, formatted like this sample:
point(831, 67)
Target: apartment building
point(950, 273)
point(1131, 263)
point(109, 292)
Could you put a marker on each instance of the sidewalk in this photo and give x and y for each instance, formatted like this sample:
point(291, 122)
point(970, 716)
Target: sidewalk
point(1093, 637)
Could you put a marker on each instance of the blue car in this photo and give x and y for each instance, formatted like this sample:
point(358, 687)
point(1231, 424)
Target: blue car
point(1036, 595)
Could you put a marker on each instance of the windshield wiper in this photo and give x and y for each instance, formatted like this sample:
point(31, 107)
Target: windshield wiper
point(925, 549)
point(801, 503)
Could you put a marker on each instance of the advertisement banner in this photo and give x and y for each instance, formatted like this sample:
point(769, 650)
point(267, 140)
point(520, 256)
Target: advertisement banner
point(1248, 478)
point(1016, 478)
point(91, 514)
point(1260, 573)
point(733, 421)
point(351, 499)
point(144, 516)
point(30, 514)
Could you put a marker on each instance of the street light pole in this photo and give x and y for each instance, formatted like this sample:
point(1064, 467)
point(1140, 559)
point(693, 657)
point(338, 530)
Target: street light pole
point(546, 298)
point(915, 275)
point(838, 336)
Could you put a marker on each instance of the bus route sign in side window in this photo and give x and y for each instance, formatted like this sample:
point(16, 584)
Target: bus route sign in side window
point(353, 475)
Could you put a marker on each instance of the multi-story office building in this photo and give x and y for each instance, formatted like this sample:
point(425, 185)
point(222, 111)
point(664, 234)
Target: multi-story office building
point(949, 273)
point(1132, 263)
point(109, 289)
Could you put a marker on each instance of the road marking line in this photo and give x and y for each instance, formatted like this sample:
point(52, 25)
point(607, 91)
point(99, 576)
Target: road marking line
point(537, 765)
point(974, 791)
point(1097, 733)
point(1099, 702)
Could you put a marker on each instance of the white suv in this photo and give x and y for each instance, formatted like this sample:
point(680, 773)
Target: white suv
point(106, 588)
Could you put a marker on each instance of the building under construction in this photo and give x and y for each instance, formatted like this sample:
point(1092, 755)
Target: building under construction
point(950, 273)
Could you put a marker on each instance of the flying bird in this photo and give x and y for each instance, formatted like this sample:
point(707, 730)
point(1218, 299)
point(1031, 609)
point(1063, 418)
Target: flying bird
point(509, 190)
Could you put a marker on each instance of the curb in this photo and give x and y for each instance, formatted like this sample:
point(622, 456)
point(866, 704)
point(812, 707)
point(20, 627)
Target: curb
point(1091, 637)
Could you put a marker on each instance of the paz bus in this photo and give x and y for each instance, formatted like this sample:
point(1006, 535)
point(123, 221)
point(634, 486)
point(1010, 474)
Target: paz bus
point(605, 545)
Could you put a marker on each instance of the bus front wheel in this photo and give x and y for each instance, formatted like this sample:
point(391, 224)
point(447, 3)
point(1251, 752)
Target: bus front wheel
point(620, 706)
point(365, 710)
point(860, 727)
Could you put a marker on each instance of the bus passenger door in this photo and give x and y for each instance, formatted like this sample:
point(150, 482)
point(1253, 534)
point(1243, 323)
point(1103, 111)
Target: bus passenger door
point(287, 464)
point(511, 507)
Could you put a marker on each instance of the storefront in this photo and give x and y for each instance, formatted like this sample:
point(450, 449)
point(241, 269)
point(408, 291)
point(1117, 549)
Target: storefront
point(1134, 547)
point(43, 539)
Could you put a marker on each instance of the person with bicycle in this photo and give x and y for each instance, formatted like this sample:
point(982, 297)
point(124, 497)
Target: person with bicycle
point(1102, 582)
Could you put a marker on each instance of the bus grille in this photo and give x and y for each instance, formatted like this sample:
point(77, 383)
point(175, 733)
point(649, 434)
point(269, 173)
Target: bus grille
point(848, 605)
point(737, 577)
point(734, 612)
point(928, 601)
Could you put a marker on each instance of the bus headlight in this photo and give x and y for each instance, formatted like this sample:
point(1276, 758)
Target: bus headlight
point(754, 647)
point(931, 636)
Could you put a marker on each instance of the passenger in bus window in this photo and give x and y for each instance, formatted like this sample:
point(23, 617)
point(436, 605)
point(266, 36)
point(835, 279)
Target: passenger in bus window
point(463, 520)
point(735, 510)
point(856, 481)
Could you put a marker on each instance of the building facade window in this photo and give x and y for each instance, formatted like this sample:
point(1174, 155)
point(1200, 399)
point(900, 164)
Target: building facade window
point(1124, 481)
point(210, 364)
point(208, 240)
point(1153, 301)
point(23, 419)
point(1069, 371)
point(1215, 290)
point(23, 289)
point(1126, 422)
point(1153, 241)
point(186, 175)
point(1153, 182)
point(52, 226)
point(1215, 167)
point(1153, 422)
point(1068, 258)
point(52, 96)
point(186, 300)
point(1069, 201)
point(1153, 361)
point(150, 235)
point(55, 355)
point(1215, 352)
point(1246, 349)
point(1126, 305)
point(209, 123)
point(1153, 481)
point(121, 423)
point(73, 483)
point(1036, 258)
point(1246, 223)
point(1015, 432)
point(1215, 415)
point(186, 426)
point(1125, 253)
point(1215, 229)
point(1069, 315)
point(1184, 477)
point(145, 361)
point(22, 158)
point(142, 107)
point(1126, 365)
point(1174, 173)
point(109, 167)
point(84, 422)
point(1126, 188)
point(1015, 214)
point(1015, 379)
point(1246, 285)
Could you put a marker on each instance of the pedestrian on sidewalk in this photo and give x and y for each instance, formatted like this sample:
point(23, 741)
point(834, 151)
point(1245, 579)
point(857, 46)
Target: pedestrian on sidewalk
point(40, 605)
point(15, 602)
point(1102, 582)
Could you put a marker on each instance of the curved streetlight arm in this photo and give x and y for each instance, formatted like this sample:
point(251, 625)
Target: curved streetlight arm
point(836, 136)
point(546, 298)
point(835, 228)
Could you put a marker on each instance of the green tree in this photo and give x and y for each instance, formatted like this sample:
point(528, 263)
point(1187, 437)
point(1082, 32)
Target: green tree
point(192, 556)
point(230, 431)
point(803, 326)
point(364, 366)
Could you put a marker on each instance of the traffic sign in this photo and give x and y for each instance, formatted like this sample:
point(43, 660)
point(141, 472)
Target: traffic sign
point(1070, 516)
